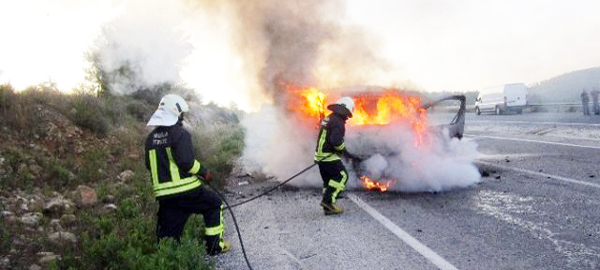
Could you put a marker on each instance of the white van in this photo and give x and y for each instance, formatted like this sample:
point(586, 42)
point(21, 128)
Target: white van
point(500, 99)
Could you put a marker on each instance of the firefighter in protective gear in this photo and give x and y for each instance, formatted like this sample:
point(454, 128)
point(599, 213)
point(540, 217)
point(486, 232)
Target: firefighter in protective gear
point(330, 144)
point(176, 177)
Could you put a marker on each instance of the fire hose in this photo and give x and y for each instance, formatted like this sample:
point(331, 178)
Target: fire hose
point(229, 207)
point(355, 160)
point(234, 223)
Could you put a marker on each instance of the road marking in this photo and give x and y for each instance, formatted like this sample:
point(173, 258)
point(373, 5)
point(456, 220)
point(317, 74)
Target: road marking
point(286, 252)
point(404, 236)
point(541, 123)
point(545, 175)
point(528, 140)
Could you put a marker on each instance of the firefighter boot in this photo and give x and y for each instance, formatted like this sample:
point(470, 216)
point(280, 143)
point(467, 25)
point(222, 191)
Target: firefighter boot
point(226, 246)
point(331, 208)
point(217, 246)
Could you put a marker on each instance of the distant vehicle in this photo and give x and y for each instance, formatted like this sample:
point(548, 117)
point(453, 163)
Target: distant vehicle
point(501, 99)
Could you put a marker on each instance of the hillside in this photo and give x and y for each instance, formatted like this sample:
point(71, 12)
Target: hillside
point(74, 191)
point(566, 87)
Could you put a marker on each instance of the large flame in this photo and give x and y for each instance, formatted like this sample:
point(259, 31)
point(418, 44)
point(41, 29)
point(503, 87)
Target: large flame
point(370, 109)
point(311, 104)
point(388, 107)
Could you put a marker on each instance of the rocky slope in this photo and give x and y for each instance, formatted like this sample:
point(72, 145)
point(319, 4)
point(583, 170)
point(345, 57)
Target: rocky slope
point(42, 166)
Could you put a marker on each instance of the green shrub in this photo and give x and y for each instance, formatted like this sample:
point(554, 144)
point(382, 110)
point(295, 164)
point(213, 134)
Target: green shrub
point(93, 166)
point(170, 254)
point(102, 252)
point(5, 237)
point(18, 176)
point(45, 93)
point(115, 108)
point(7, 95)
point(140, 110)
point(218, 147)
point(17, 112)
point(60, 176)
point(25, 179)
point(126, 240)
point(90, 113)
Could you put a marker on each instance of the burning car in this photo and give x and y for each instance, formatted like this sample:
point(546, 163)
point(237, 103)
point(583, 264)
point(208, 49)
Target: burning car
point(373, 167)
point(390, 135)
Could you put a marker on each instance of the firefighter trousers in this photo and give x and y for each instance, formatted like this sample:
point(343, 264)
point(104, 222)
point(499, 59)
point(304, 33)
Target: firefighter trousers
point(173, 213)
point(334, 177)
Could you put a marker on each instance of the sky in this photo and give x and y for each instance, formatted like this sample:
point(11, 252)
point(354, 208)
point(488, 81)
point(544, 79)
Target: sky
point(430, 45)
point(468, 45)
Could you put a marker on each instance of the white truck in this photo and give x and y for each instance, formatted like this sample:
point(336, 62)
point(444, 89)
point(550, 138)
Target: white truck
point(500, 99)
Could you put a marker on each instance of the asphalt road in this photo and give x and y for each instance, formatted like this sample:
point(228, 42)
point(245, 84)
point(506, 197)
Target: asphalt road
point(537, 207)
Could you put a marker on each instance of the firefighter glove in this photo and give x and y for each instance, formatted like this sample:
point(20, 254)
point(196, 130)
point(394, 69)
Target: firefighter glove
point(204, 173)
point(348, 155)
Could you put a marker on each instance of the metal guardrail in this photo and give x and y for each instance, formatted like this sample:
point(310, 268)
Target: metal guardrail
point(550, 107)
point(558, 104)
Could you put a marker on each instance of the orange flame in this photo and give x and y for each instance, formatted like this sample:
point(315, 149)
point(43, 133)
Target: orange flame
point(370, 109)
point(390, 107)
point(372, 185)
point(313, 102)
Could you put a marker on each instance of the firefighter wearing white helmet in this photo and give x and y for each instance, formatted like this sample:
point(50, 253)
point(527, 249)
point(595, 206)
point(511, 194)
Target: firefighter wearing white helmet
point(177, 177)
point(330, 144)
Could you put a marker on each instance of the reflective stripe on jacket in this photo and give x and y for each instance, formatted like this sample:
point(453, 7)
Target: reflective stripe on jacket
point(331, 138)
point(170, 159)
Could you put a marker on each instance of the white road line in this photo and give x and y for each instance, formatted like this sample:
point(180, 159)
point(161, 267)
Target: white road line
point(404, 236)
point(286, 252)
point(536, 141)
point(540, 123)
point(545, 175)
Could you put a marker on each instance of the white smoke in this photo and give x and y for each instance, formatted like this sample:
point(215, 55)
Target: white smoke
point(277, 145)
point(142, 46)
point(375, 166)
point(437, 163)
point(234, 51)
point(284, 147)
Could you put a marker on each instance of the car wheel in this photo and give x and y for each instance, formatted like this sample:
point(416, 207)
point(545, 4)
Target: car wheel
point(477, 111)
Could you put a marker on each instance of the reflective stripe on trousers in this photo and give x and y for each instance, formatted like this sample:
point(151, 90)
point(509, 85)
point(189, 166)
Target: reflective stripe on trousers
point(217, 231)
point(338, 186)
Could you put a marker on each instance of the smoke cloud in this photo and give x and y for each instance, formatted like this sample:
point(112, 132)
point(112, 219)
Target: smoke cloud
point(141, 47)
point(282, 147)
point(437, 163)
point(239, 51)
point(304, 43)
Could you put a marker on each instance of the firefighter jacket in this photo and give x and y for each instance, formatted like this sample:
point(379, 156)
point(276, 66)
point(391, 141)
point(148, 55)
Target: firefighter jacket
point(331, 135)
point(170, 159)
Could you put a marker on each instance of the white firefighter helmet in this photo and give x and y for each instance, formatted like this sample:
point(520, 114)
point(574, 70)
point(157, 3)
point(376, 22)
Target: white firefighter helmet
point(347, 102)
point(169, 110)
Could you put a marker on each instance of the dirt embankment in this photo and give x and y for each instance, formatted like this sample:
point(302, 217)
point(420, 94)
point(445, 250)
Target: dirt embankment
point(53, 171)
